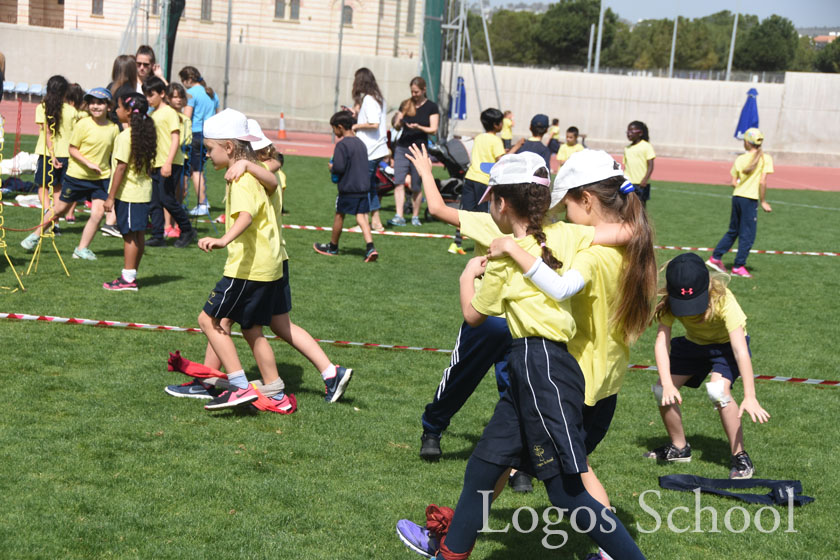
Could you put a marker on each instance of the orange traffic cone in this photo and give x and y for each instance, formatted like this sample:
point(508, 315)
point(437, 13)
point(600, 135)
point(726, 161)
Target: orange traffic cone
point(281, 132)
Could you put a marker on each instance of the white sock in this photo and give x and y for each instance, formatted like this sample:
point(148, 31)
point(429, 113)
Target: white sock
point(604, 555)
point(129, 274)
point(238, 379)
point(328, 373)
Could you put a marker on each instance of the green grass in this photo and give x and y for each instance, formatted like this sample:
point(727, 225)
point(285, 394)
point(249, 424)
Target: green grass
point(97, 462)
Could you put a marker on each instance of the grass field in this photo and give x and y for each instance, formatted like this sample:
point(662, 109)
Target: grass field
point(98, 462)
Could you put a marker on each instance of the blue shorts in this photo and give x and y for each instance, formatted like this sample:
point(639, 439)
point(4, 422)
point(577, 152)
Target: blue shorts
point(131, 216)
point(537, 426)
point(75, 190)
point(596, 421)
point(196, 154)
point(349, 204)
point(282, 293)
point(57, 174)
point(699, 360)
point(246, 302)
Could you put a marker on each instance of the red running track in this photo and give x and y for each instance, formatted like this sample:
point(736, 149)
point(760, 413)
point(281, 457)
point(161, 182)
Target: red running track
point(667, 169)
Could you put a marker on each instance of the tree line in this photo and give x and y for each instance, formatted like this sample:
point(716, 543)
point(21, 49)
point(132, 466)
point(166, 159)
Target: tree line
point(560, 37)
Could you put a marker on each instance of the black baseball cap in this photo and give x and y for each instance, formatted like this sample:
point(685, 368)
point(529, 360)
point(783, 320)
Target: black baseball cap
point(688, 285)
point(540, 120)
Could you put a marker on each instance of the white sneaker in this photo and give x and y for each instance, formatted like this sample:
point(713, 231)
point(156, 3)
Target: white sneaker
point(200, 210)
point(30, 241)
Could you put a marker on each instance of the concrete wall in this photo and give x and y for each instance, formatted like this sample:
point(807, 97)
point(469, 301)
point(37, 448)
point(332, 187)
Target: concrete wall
point(686, 118)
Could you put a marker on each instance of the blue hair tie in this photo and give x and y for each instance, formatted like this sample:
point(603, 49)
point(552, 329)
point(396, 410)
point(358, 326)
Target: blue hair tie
point(626, 187)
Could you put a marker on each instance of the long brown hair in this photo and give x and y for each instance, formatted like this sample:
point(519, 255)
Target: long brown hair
point(637, 285)
point(364, 83)
point(531, 201)
point(53, 102)
point(123, 72)
point(192, 74)
point(143, 136)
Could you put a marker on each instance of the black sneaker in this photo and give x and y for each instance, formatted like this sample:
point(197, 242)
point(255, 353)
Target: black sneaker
point(671, 453)
point(336, 386)
point(325, 249)
point(742, 467)
point(156, 242)
point(430, 446)
point(186, 239)
point(520, 482)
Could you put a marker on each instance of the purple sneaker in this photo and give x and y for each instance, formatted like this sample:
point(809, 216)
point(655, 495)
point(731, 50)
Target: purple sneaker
point(417, 538)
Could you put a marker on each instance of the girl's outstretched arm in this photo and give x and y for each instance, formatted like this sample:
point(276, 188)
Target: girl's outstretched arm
point(475, 268)
point(615, 234)
point(670, 393)
point(266, 178)
point(434, 202)
point(556, 286)
point(738, 340)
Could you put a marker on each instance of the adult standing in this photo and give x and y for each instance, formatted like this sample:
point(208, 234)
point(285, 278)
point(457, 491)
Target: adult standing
point(415, 131)
point(147, 66)
point(202, 103)
point(371, 128)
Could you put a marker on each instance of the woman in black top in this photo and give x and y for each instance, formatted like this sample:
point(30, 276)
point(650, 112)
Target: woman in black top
point(415, 130)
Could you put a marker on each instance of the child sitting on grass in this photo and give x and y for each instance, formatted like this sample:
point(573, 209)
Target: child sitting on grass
point(350, 165)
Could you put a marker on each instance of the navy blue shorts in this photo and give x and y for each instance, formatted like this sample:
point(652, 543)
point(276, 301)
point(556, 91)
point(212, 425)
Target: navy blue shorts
point(282, 292)
point(57, 174)
point(537, 426)
point(699, 360)
point(196, 154)
point(348, 204)
point(75, 190)
point(131, 216)
point(246, 302)
point(596, 421)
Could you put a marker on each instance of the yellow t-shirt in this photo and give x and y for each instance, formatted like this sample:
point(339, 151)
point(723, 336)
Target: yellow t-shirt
point(598, 346)
point(61, 137)
point(748, 184)
point(95, 142)
point(257, 253)
point(554, 132)
point(728, 317)
point(507, 129)
point(487, 148)
point(566, 151)
point(186, 138)
point(135, 187)
point(636, 157)
point(166, 122)
point(281, 178)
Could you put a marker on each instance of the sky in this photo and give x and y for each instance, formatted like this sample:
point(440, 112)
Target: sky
point(803, 13)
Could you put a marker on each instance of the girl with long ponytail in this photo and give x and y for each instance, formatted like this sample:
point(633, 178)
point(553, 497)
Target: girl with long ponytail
point(55, 118)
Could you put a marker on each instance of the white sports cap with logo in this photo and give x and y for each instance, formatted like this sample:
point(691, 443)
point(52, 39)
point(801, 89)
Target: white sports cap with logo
point(255, 129)
point(514, 169)
point(228, 125)
point(584, 168)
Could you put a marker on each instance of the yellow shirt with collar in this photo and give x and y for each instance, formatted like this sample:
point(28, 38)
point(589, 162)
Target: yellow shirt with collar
point(566, 151)
point(61, 137)
point(728, 317)
point(748, 183)
point(166, 122)
point(186, 138)
point(507, 129)
point(598, 346)
point(554, 132)
point(487, 148)
point(636, 157)
point(135, 187)
point(95, 142)
point(257, 254)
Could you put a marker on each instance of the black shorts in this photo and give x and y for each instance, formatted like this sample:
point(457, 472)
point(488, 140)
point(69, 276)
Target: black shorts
point(54, 175)
point(282, 293)
point(699, 360)
point(75, 190)
point(196, 154)
point(246, 302)
point(131, 216)
point(350, 204)
point(596, 421)
point(537, 426)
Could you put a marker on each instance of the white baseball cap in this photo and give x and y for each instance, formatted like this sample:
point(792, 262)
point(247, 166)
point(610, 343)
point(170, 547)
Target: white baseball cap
point(514, 169)
point(227, 125)
point(584, 168)
point(255, 129)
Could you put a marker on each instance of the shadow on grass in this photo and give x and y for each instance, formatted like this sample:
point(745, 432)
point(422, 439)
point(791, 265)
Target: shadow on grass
point(714, 450)
point(158, 279)
point(465, 451)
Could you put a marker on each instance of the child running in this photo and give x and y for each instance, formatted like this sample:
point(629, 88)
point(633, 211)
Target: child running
point(749, 179)
point(638, 159)
point(715, 342)
point(536, 424)
point(131, 185)
point(88, 170)
point(350, 165)
point(570, 146)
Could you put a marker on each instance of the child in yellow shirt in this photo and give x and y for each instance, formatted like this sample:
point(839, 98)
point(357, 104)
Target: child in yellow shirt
point(638, 159)
point(570, 146)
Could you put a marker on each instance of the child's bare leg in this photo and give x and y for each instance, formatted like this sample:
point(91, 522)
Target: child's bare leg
point(672, 415)
point(375, 220)
point(299, 339)
point(221, 342)
point(594, 486)
point(263, 354)
point(399, 198)
point(211, 360)
point(167, 219)
point(729, 418)
point(97, 210)
point(134, 243)
point(111, 218)
point(362, 220)
point(198, 183)
point(338, 223)
point(416, 201)
point(72, 210)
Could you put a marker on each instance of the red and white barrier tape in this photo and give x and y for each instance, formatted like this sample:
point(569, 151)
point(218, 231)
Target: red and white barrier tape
point(147, 326)
point(447, 236)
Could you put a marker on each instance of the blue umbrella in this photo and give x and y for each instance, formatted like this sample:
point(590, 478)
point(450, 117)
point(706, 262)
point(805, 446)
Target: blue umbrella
point(749, 115)
point(459, 112)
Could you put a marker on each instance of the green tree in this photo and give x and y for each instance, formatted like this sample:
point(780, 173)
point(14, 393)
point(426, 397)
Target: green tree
point(828, 58)
point(563, 31)
point(806, 56)
point(770, 46)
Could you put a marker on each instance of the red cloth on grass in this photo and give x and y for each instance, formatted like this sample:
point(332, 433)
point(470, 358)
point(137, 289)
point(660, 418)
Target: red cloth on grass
point(179, 363)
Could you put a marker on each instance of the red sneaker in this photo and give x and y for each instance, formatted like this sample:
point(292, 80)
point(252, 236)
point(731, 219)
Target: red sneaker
point(121, 285)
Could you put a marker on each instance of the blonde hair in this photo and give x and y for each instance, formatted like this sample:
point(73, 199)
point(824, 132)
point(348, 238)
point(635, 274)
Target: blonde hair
point(717, 294)
point(241, 149)
point(407, 108)
point(756, 159)
point(266, 154)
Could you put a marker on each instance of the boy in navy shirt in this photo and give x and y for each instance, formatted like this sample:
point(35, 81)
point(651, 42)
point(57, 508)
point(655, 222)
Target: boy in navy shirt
point(350, 165)
point(539, 126)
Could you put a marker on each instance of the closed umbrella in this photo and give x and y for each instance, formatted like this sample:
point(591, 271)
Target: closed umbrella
point(749, 115)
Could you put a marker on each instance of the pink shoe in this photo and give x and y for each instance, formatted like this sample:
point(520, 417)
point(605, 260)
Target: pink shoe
point(716, 264)
point(233, 398)
point(172, 233)
point(741, 271)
